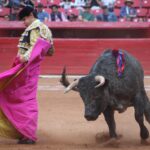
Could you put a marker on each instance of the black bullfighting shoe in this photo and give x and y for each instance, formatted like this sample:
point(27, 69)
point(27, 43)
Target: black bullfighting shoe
point(26, 141)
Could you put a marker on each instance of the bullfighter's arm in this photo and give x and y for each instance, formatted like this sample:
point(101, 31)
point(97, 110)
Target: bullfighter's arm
point(46, 33)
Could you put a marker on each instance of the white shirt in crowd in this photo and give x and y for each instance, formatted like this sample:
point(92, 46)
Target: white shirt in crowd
point(66, 5)
point(108, 2)
point(79, 3)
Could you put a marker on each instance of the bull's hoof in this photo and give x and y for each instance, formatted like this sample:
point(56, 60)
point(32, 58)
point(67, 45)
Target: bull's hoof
point(113, 142)
point(26, 141)
point(145, 142)
point(104, 137)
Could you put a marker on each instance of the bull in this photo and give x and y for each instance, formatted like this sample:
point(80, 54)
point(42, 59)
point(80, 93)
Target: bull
point(102, 91)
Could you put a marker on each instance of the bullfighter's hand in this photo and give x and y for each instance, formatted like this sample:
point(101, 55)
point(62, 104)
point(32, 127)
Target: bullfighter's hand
point(51, 51)
point(23, 59)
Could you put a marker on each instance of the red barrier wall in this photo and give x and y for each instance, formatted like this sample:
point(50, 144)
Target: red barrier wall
point(84, 29)
point(78, 54)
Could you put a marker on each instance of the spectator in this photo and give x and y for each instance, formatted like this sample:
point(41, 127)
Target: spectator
point(95, 4)
point(108, 15)
point(108, 3)
point(56, 15)
point(86, 15)
point(17, 3)
point(5, 3)
point(80, 3)
point(14, 14)
point(72, 17)
point(127, 11)
point(41, 14)
point(14, 3)
point(67, 4)
point(27, 2)
point(1, 5)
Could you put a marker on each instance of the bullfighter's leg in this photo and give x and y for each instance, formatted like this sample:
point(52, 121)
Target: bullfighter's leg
point(139, 116)
point(25, 141)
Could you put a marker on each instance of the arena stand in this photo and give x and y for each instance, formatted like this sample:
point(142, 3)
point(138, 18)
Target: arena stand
point(142, 6)
point(79, 44)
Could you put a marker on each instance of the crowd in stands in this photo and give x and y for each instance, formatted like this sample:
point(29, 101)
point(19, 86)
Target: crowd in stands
point(80, 10)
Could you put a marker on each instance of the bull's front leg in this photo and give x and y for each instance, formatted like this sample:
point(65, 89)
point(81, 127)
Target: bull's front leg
point(112, 138)
point(109, 117)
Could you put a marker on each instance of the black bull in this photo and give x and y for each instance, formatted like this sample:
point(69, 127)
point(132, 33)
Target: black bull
point(102, 91)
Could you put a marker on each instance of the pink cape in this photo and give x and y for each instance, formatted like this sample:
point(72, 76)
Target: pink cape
point(18, 97)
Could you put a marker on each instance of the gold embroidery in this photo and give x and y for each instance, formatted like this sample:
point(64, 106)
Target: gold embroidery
point(37, 29)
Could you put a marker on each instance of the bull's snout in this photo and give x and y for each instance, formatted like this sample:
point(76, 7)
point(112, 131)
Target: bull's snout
point(90, 112)
point(90, 118)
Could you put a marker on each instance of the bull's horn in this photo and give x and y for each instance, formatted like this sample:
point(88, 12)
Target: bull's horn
point(72, 85)
point(99, 79)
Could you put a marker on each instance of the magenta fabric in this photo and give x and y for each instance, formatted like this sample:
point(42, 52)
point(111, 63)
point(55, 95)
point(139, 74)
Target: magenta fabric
point(18, 99)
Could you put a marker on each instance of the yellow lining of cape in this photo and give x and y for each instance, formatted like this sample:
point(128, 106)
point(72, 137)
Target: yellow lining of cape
point(7, 130)
point(8, 81)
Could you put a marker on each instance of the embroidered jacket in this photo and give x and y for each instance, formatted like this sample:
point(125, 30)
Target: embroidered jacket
point(29, 37)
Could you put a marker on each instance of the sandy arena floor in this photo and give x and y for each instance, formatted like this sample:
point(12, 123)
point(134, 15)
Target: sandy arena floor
point(62, 125)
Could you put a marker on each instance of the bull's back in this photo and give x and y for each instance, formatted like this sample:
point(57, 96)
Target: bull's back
point(131, 79)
